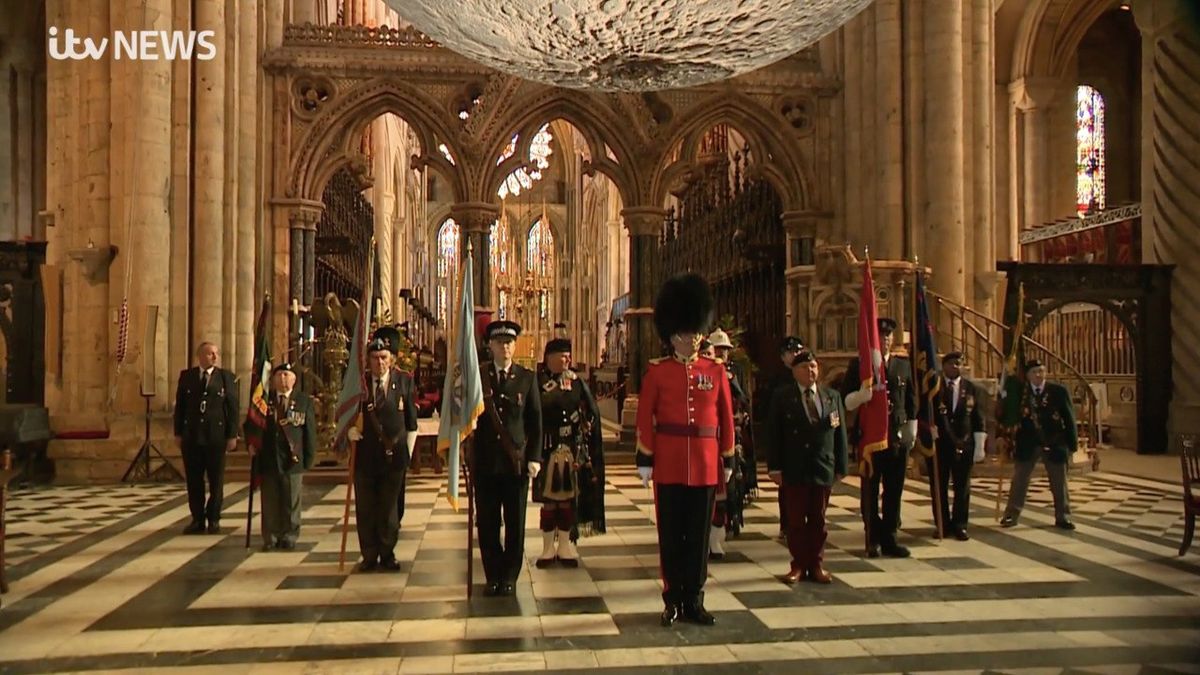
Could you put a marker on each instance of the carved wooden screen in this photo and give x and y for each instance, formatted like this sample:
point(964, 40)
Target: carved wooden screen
point(727, 228)
point(343, 238)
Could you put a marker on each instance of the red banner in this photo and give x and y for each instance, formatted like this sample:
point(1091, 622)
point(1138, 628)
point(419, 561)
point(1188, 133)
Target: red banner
point(872, 415)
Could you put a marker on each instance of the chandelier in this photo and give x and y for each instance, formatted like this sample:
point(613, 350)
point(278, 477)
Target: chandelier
point(627, 45)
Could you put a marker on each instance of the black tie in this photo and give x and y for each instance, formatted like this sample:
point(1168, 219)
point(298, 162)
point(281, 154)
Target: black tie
point(501, 377)
point(811, 406)
point(204, 380)
point(379, 390)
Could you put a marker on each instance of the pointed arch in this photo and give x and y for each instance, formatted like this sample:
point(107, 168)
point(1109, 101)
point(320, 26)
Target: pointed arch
point(447, 266)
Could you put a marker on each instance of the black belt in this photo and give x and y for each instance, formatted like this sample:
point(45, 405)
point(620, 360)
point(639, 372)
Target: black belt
point(686, 430)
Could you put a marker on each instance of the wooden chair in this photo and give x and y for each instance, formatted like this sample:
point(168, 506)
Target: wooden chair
point(1189, 458)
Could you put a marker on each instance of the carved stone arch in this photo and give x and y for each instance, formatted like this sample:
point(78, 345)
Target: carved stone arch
point(328, 142)
point(1049, 35)
point(1138, 295)
point(590, 114)
point(778, 159)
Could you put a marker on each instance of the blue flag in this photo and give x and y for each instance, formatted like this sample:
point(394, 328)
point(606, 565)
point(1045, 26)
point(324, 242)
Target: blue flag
point(462, 392)
point(927, 373)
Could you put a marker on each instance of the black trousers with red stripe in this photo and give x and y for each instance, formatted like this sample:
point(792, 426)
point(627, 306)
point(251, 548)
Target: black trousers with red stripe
point(684, 514)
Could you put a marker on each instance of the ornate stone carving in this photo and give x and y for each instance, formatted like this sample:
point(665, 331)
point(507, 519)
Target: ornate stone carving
point(311, 94)
point(798, 111)
point(356, 36)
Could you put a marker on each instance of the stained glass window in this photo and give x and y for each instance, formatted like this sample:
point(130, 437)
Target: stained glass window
point(447, 265)
point(1089, 147)
point(498, 245)
point(539, 252)
point(502, 304)
point(539, 152)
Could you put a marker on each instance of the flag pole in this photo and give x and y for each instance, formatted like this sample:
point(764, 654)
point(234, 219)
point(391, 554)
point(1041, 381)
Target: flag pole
point(250, 502)
point(935, 480)
point(346, 509)
point(864, 465)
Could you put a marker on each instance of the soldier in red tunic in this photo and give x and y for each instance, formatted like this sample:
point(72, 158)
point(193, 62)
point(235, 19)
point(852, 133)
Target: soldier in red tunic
point(685, 438)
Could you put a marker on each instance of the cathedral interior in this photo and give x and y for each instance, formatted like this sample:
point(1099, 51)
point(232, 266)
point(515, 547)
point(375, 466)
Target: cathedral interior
point(1035, 160)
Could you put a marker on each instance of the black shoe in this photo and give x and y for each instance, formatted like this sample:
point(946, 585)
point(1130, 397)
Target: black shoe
point(670, 615)
point(569, 563)
point(694, 612)
point(1064, 524)
point(961, 535)
point(506, 589)
point(368, 566)
point(1008, 520)
point(543, 563)
point(287, 544)
point(196, 527)
point(214, 527)
point(895, 551)
point(389, 565)
point(491, 590)
point(873, 551)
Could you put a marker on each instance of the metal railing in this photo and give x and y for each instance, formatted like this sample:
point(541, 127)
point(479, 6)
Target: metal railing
point(977, 336)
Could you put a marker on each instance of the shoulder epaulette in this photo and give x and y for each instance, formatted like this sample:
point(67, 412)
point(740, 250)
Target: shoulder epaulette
point(656, 361)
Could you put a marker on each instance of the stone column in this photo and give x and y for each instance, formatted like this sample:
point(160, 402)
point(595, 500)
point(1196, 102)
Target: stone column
point(853, 213)
point(887, 237)
point(645, 225)
point(981, 290)
point(141, 159)
point(943, 241)
point(304, 11)
point(208, 240)
point(1170, 146)
point(475, 222)
point(1032, 98)
point(247, 297)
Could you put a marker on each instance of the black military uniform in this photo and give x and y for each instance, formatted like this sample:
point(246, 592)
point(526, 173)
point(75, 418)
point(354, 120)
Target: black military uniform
point(507, 439)
point(389, 425)
point(206, 419)
point(571, 484)
point(289, 449)
point(888, 465)
point(1046, 432)
point(960, 431)
point(789, 348)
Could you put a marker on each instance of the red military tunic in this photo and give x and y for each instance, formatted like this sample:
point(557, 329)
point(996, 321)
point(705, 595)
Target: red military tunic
point(685, 420)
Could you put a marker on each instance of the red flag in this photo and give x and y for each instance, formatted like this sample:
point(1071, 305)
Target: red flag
point(872, 415)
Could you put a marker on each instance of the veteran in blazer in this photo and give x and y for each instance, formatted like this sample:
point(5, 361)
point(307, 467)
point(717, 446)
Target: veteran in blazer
point(206, 427)
point(960, 443)
point(507, 453)
point(806, 444)
point(383, 452)
point(289, 449)
point(1046, 432)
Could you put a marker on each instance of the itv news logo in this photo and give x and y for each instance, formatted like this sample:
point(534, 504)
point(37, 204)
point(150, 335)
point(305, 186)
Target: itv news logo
point(137, 45)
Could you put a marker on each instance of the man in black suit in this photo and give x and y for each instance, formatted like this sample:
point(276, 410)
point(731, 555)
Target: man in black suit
point(806, 454)
point(888, 464)
point(389, 426)
point(960, 443)
point(206, 427)
point(788, 349)
point(289, 449)
point(1046, 432)
point(507, 453)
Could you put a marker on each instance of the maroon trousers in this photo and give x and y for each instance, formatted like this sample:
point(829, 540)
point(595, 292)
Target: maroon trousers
point(804, 507)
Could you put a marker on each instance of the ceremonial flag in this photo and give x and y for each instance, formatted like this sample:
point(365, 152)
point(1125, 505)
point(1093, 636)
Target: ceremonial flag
point(928, 371)
point(352, 380)
point(872, 415)
point(260, 378)
point(1011, 380)
point(462, 391)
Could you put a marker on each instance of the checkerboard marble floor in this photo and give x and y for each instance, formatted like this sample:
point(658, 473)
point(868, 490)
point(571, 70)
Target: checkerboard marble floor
point(104, 582)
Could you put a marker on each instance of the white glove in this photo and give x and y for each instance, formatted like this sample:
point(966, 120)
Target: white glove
point(908, 433)
point(728, 474)
point(645, 472)
point(534, 469)
point(354, 434)
point(980, 446)
point(856, 398)
point(411, 442)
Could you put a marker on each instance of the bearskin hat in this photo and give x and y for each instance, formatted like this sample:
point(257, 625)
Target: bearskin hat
point(684, 305)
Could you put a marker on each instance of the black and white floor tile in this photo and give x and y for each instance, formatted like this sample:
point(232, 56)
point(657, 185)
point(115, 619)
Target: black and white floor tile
point(104, 582)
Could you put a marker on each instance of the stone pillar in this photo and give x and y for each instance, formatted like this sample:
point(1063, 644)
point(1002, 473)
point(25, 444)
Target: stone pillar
point(475, 222)
point(294, 225)
point(248, 298)
point(303, 11)
point(1032, 98)
point(1170, 146)
point(141, 158)
point(981, 288)
point(208, 240)
point(887, 237)
point(645, 225)
point(853, 213)
point(943, 241)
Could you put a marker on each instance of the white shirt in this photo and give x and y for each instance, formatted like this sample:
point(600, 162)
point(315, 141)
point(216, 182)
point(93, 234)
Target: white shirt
point(954, 384)
point(206, 375)
point(380, 382)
